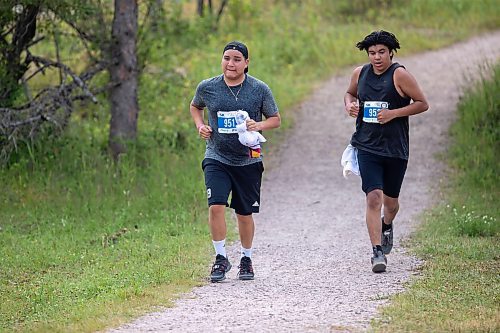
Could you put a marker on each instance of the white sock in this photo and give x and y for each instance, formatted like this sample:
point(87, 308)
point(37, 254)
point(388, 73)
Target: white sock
point(220, 247)
point(246, 252)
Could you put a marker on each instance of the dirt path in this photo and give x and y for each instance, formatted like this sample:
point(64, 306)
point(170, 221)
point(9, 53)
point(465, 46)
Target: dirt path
point(312, 253)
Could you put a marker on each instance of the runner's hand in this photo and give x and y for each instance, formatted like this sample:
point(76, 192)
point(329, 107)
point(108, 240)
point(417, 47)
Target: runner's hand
point(352, 109)
point(252, 125)
point(384, 116)
point(205, 131)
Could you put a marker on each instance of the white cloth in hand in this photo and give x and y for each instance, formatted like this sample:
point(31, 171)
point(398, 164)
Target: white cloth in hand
point(250, 139)
point(349, 161)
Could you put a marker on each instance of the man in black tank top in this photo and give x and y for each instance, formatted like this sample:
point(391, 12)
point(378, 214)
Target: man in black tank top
point(381, 96)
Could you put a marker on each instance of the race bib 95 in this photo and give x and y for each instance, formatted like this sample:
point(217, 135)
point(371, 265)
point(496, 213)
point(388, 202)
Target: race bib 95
point(371, 109)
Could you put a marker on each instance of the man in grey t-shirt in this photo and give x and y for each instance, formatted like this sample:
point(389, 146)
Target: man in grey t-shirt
point(229, 166)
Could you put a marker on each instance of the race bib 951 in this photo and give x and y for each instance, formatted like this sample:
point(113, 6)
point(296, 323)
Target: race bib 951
point(226, 122)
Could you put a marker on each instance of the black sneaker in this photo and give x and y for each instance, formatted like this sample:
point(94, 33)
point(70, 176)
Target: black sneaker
point(379, 261)
point(387, 239)
point(220, 268)
point(246, 269)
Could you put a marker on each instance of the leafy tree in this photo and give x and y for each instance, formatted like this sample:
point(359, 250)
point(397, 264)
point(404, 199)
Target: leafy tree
point(22, 31)
point(108, 35)
point(23, 24)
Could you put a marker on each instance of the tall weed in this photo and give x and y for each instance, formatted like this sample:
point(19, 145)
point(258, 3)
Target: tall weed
point(476, 135)
point(474, 154)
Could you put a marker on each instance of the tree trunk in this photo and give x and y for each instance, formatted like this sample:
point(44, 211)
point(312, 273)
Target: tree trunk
point(199, 7)
point(123, 73)
point(12, 67)
point(219, 13)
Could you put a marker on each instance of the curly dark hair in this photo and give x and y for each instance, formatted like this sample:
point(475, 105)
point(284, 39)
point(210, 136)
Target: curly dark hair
point(379, 37)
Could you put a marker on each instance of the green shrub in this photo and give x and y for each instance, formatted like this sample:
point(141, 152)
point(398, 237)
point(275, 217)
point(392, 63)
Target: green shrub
point(473, 224)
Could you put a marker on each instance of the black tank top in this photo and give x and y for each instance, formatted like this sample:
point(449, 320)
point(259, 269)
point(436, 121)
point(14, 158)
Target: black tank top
point(391, 139)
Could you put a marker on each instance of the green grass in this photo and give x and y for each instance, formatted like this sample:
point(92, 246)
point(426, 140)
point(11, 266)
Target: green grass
point(87, 244)
point(459, 286)
point(91, 235)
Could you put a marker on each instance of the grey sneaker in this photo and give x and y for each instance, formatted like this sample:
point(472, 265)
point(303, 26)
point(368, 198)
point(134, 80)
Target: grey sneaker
point(379, 261)
point(387, 239)
point(220, 268)
point(246, 269)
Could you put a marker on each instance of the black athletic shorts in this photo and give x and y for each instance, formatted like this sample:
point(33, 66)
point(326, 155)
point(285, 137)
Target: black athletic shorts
point(381, 173)
point(243, 182)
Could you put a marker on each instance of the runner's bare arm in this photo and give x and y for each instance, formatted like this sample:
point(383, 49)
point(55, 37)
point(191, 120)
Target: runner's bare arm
point(407, 86)
point(197, 114)
point(351, 95)
point(267, 124)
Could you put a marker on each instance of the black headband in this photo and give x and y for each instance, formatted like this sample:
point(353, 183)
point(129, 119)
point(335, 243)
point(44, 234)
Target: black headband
point(238, 46)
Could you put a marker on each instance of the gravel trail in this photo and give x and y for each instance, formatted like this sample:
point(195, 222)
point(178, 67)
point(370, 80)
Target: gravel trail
point(311, 249)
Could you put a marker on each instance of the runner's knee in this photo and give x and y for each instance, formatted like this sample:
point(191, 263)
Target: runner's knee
point(217, 211)
point(391, 205)
point(244, 218)
point(374, 199)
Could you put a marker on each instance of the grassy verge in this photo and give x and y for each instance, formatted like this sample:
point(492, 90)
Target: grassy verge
point(459, 289)
point(86, 244)
point(97, 240)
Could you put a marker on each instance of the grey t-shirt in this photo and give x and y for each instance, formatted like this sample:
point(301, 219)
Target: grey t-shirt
point(255, 97)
